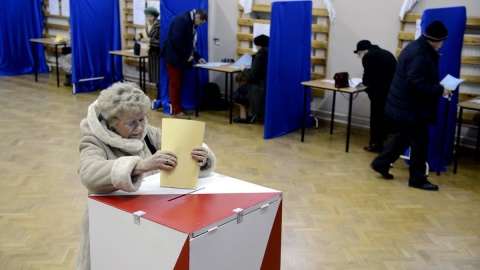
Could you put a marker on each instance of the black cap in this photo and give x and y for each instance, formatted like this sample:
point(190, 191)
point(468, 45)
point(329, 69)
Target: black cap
point(436, 31)
point(363, 45)
point(261, 40)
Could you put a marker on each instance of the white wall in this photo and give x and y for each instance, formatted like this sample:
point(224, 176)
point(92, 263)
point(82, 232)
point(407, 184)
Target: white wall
point(376, 20)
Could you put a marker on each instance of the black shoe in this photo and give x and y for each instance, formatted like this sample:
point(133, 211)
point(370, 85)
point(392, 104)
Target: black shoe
point(240, 120)
point(68, 81)
point(376, 148)
point(383, 172)
point(424, 185)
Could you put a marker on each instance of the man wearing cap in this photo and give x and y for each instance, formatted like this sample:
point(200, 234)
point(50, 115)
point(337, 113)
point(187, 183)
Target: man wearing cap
point(412, 103)
point(251, 96)
point(179, 52)
point(378, 68)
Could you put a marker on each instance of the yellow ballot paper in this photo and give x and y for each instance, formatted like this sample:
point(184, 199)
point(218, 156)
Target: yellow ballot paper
point(181, 136)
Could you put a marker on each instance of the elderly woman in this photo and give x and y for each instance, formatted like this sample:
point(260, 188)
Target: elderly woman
point(119, 149)
point(153, 40)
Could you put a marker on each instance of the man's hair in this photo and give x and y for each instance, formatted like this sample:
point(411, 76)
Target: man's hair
point(203, 14)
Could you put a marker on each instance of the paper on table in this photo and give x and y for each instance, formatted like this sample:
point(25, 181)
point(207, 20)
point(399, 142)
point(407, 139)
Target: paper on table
point(180, 137)
point(245, 60)
point(213, 64)
point(354, 82)
point(475, 101)
point(451, 82)
point(60, 37)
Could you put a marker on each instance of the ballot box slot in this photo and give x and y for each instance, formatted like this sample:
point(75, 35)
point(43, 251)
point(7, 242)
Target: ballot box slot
point(185, 194)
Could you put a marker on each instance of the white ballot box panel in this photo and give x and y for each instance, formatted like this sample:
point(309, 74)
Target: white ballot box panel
point(253, 242)
point(117, 242)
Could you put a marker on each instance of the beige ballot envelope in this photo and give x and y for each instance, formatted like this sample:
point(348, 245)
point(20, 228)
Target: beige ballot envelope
point(180, 137)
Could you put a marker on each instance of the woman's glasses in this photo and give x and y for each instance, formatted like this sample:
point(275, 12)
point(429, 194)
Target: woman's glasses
point(135, 123)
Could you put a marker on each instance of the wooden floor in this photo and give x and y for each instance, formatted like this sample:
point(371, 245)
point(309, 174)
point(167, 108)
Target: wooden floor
point(338, 213)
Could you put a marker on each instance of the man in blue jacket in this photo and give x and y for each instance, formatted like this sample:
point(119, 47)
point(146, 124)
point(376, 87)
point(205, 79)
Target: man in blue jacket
point(179, 52)
point(412, 103)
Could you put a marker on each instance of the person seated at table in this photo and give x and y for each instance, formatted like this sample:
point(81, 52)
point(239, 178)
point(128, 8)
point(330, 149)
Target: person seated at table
point(250, 97)
point(65, 60)
point(119, 149)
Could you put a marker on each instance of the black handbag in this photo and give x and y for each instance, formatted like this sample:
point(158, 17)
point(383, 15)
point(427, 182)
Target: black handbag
point(341, 79)
point(136, 48)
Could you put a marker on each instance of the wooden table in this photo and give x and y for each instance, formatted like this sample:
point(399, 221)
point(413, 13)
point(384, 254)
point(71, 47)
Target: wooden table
point(141, 61)
point(229, 70)
point(46, 41)
point(330, 86)
point(469, 105)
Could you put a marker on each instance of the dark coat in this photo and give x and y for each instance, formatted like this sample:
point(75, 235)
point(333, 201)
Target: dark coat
point(257, 81)
point(178, 44)
point(415, 91)
point(154, 52)
point(379, 67)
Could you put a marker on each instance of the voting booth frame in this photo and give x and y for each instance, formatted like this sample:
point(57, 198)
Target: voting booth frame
point(225, 224)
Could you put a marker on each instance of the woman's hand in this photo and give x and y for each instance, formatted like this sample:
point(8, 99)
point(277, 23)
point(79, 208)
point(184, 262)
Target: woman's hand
point(200, 155)
point(145, 40)
point(161, 160)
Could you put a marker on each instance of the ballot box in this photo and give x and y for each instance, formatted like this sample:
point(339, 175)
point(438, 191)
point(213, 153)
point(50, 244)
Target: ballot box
point(225, 224)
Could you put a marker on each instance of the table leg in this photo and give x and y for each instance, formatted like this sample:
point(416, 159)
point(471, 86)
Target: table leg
point(477, 146)
point(112, 66)
point(140, 74)
point(457, 144)
point(304, 113)
point(231, 95)
point(333, 111)
point(35, 61)
point(56, 63)
point(349, 123)
point(144, 71)
point(196, 92)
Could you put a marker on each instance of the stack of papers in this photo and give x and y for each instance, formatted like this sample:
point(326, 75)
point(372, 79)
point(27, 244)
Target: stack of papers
point(451, 83)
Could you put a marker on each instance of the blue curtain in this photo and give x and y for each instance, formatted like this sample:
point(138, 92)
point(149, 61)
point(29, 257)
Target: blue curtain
point(20, 21)
point(169, 9)
point(442, 135)
point(95, 30)
point(288, 65)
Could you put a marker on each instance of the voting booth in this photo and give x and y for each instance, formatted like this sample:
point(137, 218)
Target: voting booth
point(225, 224)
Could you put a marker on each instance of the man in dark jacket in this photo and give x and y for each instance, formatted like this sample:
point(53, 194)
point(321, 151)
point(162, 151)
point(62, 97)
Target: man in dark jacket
point(412, 102)
point(179, 52)
point(378, 68)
